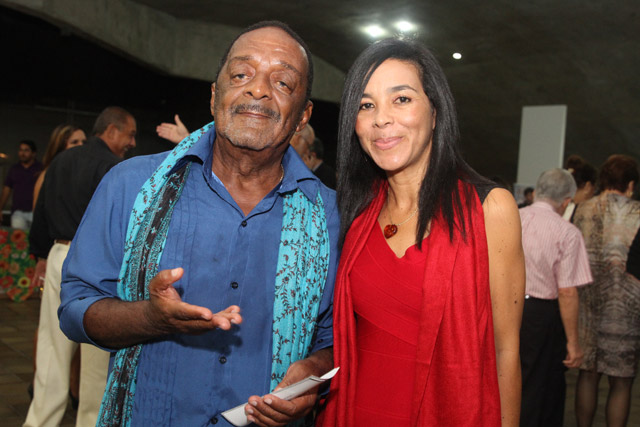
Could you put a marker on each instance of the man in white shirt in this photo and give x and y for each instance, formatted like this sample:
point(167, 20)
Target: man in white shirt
point(556, 263)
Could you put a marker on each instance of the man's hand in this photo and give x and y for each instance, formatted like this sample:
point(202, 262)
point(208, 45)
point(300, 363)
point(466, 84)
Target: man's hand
point(168, 313)
point(568, 303)
point(574, 355)
point(39, 273)
point(115, 324)
point(272, 411)
point(173, 132)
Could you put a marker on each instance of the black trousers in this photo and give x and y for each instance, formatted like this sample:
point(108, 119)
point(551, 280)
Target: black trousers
point(543, 347)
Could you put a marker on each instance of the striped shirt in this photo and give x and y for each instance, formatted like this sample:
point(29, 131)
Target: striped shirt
point(554, 252)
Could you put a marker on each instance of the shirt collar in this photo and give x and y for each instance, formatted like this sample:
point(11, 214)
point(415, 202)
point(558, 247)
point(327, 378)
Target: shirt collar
point(296, 173)
point(544, 205)
point(99, 142)
point(318, 165)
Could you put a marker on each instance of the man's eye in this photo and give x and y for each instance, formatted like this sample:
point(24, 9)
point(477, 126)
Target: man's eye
point(282, 84)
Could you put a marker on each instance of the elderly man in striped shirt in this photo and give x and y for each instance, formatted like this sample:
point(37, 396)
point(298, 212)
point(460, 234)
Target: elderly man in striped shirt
point(556, 263)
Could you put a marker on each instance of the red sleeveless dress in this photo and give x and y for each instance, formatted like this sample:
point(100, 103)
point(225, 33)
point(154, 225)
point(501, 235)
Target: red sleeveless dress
point(453, 380)
point(386, 300)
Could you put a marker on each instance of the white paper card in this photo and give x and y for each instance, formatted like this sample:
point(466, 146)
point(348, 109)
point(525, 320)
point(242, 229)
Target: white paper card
point(237, 417)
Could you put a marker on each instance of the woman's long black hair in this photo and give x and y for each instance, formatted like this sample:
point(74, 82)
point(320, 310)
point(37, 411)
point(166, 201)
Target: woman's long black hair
point(359, 177)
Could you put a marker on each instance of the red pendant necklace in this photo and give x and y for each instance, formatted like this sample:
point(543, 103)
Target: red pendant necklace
point(390, 230)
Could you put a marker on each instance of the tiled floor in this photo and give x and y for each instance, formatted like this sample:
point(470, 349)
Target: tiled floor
point(569, 417)
point(18, 322)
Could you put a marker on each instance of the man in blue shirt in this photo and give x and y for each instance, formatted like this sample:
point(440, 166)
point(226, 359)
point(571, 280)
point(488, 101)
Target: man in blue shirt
point(220, 209)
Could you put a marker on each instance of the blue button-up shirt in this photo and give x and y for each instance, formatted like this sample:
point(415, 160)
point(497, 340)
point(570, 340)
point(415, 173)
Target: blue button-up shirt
point(228, 258)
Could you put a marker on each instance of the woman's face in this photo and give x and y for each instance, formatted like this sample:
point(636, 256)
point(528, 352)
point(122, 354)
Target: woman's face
point(395, 121)
point(77, 138)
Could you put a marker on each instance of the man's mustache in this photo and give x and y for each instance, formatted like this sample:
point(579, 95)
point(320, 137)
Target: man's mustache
point(254, 108)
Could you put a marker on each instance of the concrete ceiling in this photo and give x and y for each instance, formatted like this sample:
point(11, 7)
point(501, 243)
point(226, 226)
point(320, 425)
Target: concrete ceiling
point(538, 52)
point(584, 54)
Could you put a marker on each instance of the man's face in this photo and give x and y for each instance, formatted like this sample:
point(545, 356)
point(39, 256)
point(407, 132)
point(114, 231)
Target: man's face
point(124, 138)
point(25, 153)
point(259, 97)
point(529, 197)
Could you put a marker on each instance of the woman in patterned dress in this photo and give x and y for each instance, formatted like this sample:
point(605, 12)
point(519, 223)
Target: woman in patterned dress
point(610, 307)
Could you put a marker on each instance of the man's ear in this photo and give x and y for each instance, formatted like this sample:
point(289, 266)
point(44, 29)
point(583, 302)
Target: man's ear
point(213, 98)
point(306, 115)
point(109, 133)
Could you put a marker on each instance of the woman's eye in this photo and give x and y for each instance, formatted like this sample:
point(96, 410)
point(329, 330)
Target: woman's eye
point(366, 106)
point(403, 99)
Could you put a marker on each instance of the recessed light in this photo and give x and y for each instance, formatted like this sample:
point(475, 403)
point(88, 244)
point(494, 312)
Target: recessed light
point(457, 55)
point(374, 30)
point(404, 26)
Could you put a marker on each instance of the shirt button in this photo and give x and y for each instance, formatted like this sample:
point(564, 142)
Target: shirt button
point(214, 420)
point(234, 285)
point(222, 359)
point(244, 223)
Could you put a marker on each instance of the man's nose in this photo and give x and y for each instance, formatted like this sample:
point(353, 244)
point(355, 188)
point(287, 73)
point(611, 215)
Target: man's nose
point(259, 87)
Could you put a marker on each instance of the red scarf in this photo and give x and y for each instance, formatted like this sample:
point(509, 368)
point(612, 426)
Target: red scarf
point(456, 379)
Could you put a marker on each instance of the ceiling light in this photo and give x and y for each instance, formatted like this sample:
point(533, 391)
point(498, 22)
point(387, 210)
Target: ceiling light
point(374, 30)
point(404, 26)
point(457, 55)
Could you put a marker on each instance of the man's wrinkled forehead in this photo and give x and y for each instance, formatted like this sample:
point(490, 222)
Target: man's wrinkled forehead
point(278, 39)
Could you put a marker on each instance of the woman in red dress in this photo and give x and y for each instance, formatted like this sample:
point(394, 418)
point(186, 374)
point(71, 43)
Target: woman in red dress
point(429, 293)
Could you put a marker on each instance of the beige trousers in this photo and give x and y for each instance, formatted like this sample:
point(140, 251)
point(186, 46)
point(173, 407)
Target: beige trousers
point(53, 360)
point(94, 367)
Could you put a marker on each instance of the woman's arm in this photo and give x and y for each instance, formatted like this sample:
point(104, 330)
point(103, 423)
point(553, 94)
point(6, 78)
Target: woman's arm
point(633, 259)
point(507, 281)
point(37, 187)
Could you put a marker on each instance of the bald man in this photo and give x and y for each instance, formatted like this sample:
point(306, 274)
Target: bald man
point(301, 142)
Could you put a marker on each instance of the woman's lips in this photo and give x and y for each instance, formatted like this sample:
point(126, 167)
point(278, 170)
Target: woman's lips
point(387, 143)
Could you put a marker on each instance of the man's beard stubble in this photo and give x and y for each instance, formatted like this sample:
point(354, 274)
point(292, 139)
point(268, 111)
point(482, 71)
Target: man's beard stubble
point(251, 139)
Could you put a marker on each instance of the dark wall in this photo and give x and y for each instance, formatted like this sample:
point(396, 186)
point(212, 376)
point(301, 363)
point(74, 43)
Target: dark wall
point(54, 76)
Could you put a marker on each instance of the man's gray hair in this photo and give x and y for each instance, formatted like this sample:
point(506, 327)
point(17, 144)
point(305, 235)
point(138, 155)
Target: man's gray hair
point(555, 185)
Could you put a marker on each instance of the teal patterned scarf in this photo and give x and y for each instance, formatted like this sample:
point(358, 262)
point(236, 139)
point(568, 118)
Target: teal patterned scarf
point(303, 261)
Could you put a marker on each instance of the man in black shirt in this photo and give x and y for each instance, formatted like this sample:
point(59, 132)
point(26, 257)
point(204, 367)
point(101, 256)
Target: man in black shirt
point(317, 165)
point(311, 151)
point(69, 184)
